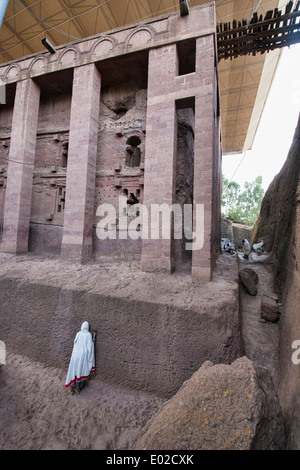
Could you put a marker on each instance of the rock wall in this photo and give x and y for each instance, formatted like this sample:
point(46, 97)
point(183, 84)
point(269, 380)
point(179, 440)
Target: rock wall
point(222, 407)
point(235, 232)
point(278, 214)
point(279, 226)
point(154, 331)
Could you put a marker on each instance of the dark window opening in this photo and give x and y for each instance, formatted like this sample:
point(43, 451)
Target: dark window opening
point(61, 200)
point(184, 183)
point(133, 152)
point(186, 51)
point(64, 154)
point(133, 203)
point(132, 199)
point(120, 112)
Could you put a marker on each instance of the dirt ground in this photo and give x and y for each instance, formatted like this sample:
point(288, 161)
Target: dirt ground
point(37, 412)
point(261, 338)
point(120, 278)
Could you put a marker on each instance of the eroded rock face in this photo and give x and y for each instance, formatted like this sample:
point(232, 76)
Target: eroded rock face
point(279, 226)
point(221, 407)
point(269, 309)
point(249, 279)
point(278, 214)
point(235, 232)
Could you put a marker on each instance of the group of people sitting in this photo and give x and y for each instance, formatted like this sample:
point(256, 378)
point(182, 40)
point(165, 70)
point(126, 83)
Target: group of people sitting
point(229, 248)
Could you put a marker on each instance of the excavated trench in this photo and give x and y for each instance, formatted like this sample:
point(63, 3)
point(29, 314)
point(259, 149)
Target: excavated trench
point(260, 337)
point(41, 311)
point(152, 336)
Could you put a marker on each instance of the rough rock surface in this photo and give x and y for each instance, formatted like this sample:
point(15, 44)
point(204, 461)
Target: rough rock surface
point(252, 273)
point(49, 299)
point(240, 232)
point(269, 309)
point(235, 232)
point(260, 338)
point(221, 407)
point(226, 228)
point(249, 279)
point(276, 222)
point(36, 412)
point(279, 226)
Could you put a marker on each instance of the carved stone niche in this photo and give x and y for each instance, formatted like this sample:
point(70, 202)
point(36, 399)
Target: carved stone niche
point(61, 197)
point(64, 153)
point(133, 196)
point(133, 151)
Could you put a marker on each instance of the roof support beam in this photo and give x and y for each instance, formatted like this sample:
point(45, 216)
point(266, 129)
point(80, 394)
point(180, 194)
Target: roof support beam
point(75, 21)
point(22, 2)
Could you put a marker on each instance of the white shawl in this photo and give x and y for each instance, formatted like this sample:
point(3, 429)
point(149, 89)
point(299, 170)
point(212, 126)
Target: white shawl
point(82, 363)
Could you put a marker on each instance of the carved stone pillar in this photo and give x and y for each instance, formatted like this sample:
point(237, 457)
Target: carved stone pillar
point(81, 169)
point(17, 207)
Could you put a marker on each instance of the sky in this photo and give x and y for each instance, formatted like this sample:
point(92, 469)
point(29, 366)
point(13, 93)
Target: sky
point(277, 126)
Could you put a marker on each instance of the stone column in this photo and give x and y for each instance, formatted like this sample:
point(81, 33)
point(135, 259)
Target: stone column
point(166, 90)
point(81, 169)
point(17, 207)
point(160, 160)
point(205, 156)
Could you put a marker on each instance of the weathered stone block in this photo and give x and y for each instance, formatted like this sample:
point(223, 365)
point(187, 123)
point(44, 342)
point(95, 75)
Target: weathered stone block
point(269, 309)
point(222, 407)
point(118, 183)
point(249, 279)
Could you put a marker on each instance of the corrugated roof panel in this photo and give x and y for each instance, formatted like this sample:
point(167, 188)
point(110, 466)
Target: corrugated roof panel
point(26, 22)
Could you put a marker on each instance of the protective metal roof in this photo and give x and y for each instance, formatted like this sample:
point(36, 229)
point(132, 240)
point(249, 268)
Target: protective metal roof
point(244, 81)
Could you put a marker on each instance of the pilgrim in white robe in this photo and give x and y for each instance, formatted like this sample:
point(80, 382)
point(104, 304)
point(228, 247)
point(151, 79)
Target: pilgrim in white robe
point(82, 362)
point(246, 248)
